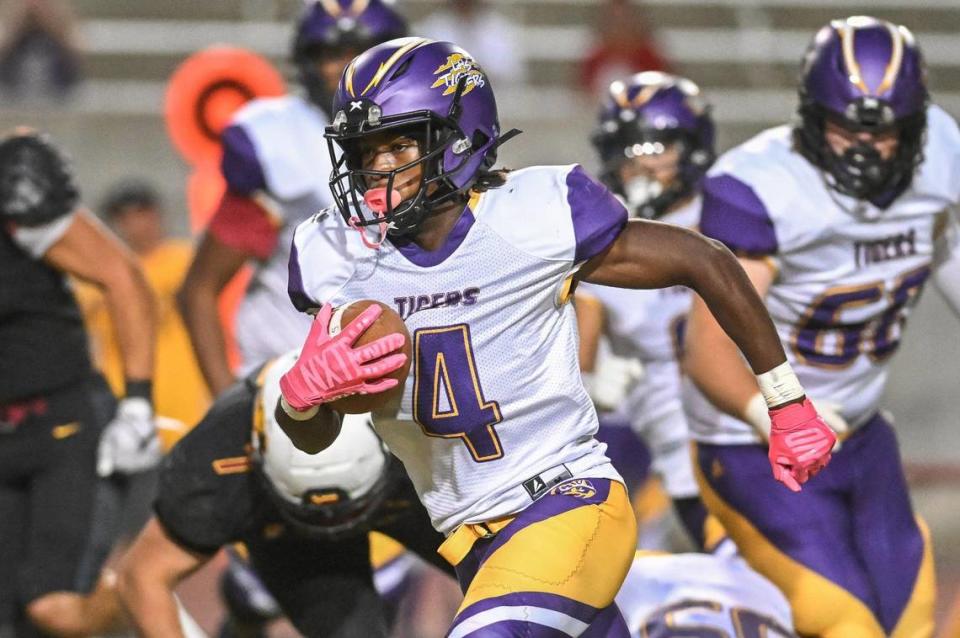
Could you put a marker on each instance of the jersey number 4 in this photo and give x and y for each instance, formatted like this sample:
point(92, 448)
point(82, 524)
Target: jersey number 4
point(448, 400)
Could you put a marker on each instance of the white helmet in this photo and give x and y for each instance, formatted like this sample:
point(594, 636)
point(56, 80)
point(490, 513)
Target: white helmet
point(331, 492)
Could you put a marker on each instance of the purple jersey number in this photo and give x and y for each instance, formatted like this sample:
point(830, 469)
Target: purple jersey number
point(448, 400)
point(748, 624)
point(878, 337)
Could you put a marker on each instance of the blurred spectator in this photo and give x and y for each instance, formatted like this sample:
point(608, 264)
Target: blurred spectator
point(134, 211)
point(38, 49)
point(489, 36)
point(623, 45)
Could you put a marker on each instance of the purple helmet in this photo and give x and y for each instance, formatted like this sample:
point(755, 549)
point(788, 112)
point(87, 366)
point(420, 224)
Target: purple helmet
point(864, 74)
point(643, 116)
point(433, 91)
point(330, 27)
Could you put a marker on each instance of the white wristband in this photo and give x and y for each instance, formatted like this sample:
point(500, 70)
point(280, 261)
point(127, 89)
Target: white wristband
point(298, 415)
point(780, 385)
point(757, 415)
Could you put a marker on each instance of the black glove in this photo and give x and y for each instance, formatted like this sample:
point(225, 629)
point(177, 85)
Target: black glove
point(36, 183)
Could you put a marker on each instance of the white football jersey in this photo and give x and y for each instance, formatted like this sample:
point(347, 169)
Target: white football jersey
point(664, 595)
point(291, 154)
point(648, 325)
point(494, 395)
point(848, 272)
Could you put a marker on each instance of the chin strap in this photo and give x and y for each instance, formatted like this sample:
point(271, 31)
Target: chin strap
point(376, 200)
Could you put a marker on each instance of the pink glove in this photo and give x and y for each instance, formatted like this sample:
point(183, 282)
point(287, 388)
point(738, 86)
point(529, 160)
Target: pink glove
point(800, 443)
point(330, 368)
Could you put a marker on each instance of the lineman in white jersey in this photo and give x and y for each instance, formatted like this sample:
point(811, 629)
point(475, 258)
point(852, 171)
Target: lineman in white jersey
point(494, 426)
point(839, 221)
point(656, 142)
point(669, 595)
point(275, 164)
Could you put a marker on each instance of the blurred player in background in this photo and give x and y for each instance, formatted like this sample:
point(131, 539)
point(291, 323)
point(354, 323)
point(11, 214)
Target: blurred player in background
point(494, 426)
point(839, 221)
point(276, 167)
point(134, 210)
point(701, 595)
point(302, 518)
point(53, 405)
point(655, 141)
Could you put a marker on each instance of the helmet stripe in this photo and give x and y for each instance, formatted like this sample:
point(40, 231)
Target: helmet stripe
point(348, 77)
point(332, 7)
point(358, 6)
point(386, 66)
point(896, 59)
point(847, 34)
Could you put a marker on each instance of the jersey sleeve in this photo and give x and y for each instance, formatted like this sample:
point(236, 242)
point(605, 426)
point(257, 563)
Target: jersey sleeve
point(555, 213)
point(241, 165)
point(244, 223)
point(733, 214)
point(598, 216)
point(37, 240)
point(204, 496)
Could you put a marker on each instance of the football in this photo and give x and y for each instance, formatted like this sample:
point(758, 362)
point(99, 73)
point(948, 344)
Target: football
point(388, 322)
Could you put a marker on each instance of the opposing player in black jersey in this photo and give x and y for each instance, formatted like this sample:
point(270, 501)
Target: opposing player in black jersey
point(53, 406)
point(303, 518)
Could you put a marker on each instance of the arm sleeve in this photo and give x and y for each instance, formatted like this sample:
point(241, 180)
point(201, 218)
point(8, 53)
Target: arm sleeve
point(241, 222)
point(598, 216)
point(37, 240)
point(240, 165)
point(733, 214)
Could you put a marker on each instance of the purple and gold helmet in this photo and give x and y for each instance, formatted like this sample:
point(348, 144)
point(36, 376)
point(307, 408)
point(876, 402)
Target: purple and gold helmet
point(864, 74)
point(435, 92)
point(644, 115)
point(330, 27)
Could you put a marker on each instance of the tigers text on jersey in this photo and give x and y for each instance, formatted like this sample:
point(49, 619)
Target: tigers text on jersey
point(494, 395)
point(276, 145)
point(670, 595)
point(848, 272)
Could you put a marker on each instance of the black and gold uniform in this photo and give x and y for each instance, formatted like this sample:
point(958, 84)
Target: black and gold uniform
point(212, 493)
point(52, 403)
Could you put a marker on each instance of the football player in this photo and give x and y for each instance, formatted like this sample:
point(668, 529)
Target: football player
point(655, 141)
point(839, 220)
point(303, 518)
point(275, 165)
point(494, 426)
point(53, 405)
point(708, 595)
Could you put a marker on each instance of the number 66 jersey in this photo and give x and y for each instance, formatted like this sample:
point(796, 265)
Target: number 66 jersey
point(493, 411)
point(848, 271)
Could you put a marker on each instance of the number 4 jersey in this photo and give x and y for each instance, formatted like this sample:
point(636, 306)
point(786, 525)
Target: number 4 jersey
point(847, 271)
point(493, 407)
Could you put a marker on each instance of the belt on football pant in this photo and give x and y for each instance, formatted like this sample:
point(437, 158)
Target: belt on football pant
point(459, 543)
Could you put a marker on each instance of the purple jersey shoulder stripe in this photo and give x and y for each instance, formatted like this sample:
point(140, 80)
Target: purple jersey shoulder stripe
point(733, 214)
point(298, 294)
point(598, 217)
point(240, 165)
